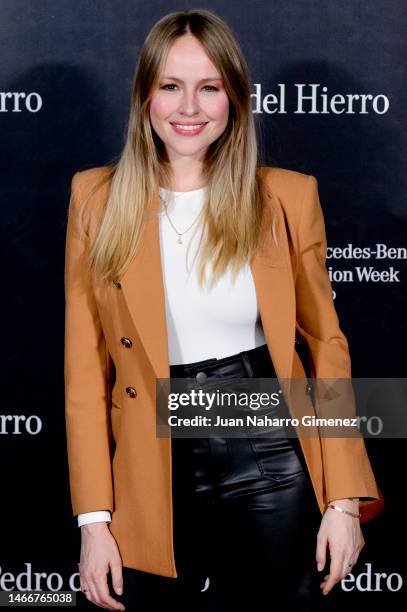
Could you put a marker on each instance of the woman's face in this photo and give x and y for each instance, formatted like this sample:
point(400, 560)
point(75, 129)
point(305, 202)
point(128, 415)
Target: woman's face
point(189, 108)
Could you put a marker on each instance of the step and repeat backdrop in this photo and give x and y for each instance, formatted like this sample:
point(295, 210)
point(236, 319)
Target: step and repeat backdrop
point(329, 97)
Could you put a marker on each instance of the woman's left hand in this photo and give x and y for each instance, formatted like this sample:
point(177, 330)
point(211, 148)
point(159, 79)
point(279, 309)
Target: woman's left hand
point(342, 533)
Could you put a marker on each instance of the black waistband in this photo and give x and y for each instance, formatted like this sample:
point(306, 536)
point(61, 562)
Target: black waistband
point(254, 363)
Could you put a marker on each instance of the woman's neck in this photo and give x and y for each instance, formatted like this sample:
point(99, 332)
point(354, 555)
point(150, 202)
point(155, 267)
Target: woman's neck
point(186, 175)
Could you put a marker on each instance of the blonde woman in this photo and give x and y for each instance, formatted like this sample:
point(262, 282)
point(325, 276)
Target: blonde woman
point(185, 259)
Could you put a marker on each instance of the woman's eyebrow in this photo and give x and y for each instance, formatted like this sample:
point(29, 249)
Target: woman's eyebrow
point(173, 78)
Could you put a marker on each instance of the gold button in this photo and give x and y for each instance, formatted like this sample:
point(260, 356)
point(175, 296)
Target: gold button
point(126, 342)
point(131, 392)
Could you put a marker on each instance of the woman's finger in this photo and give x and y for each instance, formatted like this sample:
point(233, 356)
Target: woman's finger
point(117, 576)
point(335, 570)
point(104, 598)
point(347, 568)
point(91, 594)
point(350, 562)
point(320, 555)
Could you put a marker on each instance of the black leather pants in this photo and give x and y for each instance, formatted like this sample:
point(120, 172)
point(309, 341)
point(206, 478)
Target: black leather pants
point(245, 517)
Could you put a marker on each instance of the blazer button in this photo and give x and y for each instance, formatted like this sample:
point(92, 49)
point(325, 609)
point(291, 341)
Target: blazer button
point(131, 392)
point(126, 342)
point(308, 388)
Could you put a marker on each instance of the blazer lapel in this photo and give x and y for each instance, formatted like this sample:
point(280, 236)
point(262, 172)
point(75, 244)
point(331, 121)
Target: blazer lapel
point(273, 278)
point(143, 289)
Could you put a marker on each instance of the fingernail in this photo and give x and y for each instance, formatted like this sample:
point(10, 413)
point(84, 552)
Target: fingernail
point(319, 566)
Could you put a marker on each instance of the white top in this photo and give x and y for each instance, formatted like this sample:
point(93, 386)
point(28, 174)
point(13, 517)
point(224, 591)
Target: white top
point(201, 323)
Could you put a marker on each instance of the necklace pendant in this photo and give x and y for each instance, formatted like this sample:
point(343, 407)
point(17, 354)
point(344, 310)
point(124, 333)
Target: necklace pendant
point(179, 241)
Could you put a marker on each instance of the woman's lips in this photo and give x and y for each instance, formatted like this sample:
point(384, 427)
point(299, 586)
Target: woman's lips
point(189, 129)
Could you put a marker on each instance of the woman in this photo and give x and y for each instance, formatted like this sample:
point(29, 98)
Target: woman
point(207, 523)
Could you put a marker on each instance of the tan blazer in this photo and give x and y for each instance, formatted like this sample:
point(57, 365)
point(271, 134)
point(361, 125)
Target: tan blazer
point(124, 324)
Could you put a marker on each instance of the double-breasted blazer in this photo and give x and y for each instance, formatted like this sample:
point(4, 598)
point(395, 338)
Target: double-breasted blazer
point(116, 347)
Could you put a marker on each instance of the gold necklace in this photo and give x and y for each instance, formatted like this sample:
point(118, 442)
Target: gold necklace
point(179, 234)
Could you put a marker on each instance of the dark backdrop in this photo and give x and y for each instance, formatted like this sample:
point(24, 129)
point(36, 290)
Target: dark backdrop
point(74, 62)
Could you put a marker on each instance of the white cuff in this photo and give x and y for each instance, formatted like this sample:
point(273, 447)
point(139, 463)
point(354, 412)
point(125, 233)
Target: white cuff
point(94, 517)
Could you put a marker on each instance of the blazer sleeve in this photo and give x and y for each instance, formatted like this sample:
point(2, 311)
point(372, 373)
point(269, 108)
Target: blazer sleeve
point(347, 469)
point(87, 417)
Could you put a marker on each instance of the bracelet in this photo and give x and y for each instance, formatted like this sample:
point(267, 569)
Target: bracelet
point(343, 510)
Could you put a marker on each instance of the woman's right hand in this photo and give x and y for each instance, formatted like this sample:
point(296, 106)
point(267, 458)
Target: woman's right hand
point(99, 553)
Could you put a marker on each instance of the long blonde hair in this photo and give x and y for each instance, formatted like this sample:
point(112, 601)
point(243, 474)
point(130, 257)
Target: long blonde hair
point(232, 209)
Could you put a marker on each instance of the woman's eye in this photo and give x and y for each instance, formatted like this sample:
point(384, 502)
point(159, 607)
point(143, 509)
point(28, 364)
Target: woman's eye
point(170, 85)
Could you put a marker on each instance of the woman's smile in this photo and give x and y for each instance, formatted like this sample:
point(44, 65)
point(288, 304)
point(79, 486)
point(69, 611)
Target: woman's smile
point(189, 129)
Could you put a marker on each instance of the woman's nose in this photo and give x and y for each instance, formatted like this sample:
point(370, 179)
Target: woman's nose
point(189, 103)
